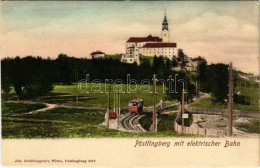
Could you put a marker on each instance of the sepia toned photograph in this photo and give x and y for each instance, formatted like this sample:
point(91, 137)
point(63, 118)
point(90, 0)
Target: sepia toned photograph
point(89, 80)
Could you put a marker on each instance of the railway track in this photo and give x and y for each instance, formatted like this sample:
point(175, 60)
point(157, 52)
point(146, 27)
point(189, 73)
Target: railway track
point(130, 123)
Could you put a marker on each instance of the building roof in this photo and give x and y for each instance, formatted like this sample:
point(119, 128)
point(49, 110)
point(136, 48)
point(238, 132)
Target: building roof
point(165, 19)
point(143, 39)
point(159, 45)
point(165, 23)
point(197, 58)
point(97, 52)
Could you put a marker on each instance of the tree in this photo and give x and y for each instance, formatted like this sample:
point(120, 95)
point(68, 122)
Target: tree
point(17, 79)
point(183, 58)
point(182, 82)
point(155, 65)
point(146, 69)
point(202, 77)
point(167, 69)
point(6, 75)
point(217, 78)
point(29, 75)
point(174, 62)
point(161, 67)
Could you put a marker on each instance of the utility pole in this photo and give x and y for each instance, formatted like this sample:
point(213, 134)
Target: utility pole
point(114, 101)
point(77, 91)
point(182, 112)
point(118, 106)
point(154, 108)
point(230, 101)
point(108, 108)
point(245, 95)
point(118, 100)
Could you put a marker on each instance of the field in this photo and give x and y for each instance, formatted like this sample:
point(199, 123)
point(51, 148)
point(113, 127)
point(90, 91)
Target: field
point(84, 123)
point(9, 108)
point(251, 94)
point(72, 123)
point(170, 108)
point(166, 122)
point(67, 94)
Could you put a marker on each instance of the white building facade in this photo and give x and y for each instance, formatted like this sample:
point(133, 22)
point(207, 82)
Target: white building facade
point(133, 46)
point(97, 54)
point(159, 49)
point(150, 46)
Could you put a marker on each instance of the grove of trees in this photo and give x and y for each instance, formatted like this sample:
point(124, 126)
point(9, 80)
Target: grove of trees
point(34, 76)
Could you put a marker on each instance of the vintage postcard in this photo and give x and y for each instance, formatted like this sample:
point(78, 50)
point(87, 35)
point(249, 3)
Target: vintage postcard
point(155, 84)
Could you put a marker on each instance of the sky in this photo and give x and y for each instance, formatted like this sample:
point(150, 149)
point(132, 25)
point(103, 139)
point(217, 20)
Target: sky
point(216, 30)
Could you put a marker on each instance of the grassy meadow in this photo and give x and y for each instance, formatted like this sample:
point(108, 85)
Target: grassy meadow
point(85, 123)
point(67, 94)
point(10, 108)
point(73, 123)
point(250, 94)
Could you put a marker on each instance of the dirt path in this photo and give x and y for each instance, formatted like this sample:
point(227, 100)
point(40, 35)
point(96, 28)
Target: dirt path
point(202, 96)
point(48, 107)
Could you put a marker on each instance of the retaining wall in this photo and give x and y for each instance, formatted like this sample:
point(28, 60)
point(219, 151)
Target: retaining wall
point(210, 111)
point(209, 131)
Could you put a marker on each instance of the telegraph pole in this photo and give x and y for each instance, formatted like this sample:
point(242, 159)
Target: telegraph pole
point(230, 101)
point(154, 108)
point(114, 101)
point(108, 108)
point(77, 91)
point(118, 107)
point(182, 111)
point(118, 100)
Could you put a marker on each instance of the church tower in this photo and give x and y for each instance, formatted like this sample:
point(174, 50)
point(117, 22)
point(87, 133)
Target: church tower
point(165, 31)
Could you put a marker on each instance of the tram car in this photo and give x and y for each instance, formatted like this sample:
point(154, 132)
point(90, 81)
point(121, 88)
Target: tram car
point(135, 106)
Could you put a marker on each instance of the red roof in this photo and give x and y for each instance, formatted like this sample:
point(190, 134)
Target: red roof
point(143, 39)
point(159, 45)
point(97, 52)
point(197, 59)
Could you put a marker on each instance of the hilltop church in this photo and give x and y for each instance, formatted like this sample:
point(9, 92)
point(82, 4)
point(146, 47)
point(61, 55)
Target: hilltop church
point(150, 46)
